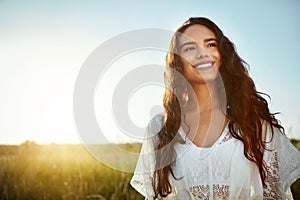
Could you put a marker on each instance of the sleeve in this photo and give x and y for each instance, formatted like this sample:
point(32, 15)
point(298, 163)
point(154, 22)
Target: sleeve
point(283, 165)
point(143, 174)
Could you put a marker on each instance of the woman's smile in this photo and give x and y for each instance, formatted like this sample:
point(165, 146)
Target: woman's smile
point(204, 65)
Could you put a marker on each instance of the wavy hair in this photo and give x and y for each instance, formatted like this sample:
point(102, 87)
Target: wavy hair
point(248, 109)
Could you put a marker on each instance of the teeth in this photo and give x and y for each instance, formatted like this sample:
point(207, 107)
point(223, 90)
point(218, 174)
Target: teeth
point(203, 65)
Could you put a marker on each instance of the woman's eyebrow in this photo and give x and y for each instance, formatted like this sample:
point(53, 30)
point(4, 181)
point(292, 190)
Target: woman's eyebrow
point(192, 42)
point(210, 39)
point(187, 43)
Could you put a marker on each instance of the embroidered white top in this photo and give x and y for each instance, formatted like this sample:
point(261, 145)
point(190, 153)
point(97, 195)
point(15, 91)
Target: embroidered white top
point(220, 171)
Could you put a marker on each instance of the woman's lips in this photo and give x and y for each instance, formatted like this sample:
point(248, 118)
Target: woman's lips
point(204, 66)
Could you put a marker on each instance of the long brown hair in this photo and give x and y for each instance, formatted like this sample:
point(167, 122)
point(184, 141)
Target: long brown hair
point(248, 109)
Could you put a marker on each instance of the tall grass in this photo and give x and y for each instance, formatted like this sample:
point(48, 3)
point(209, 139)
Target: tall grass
point(59, 172)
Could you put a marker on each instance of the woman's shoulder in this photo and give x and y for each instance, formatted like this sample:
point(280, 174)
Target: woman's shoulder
point(270, 132)
point(277, 142)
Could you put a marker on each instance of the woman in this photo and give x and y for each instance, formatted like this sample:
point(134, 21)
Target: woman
point(217, 138)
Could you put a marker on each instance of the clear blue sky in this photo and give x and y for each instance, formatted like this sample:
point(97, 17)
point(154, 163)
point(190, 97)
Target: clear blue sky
point(44, 43)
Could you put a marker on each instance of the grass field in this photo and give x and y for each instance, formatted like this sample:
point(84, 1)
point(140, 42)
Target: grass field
point(37, 172)
point(55, 172)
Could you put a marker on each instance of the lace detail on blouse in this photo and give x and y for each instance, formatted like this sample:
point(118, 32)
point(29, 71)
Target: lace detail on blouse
point(203, 192)
point(272, 188)
point(227, 137)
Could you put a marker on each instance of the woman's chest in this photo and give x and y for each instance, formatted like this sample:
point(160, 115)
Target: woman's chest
point(206, 166)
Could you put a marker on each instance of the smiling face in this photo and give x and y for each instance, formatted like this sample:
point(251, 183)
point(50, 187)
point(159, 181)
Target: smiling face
point(199, 55)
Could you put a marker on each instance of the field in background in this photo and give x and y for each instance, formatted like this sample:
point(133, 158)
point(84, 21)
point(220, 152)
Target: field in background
point(37, 172)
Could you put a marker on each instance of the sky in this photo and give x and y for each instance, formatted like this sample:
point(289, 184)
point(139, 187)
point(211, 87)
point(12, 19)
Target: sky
point(43, 45)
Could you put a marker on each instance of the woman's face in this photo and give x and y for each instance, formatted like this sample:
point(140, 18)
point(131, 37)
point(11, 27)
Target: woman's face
point(199, 54)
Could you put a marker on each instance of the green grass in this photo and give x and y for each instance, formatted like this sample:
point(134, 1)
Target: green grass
point(56, 172)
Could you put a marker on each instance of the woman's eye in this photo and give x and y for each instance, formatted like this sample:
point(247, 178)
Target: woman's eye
point(189, 49)
point(212, 45)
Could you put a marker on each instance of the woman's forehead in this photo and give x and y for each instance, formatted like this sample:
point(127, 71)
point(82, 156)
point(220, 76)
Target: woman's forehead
point(196, 33)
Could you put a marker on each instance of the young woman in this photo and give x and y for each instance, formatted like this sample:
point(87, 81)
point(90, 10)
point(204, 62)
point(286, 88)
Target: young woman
point(216, 138)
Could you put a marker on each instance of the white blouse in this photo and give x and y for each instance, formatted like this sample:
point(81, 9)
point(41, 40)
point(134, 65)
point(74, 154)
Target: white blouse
point(220, 171)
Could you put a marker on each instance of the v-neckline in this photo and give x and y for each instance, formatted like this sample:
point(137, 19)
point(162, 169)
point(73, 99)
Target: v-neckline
point(220, 138)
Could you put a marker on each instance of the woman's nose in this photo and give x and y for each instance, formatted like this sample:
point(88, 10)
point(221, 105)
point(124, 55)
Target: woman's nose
point(201, 52)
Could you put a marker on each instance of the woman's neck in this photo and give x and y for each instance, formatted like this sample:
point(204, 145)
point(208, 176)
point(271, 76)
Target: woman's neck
point(205, 124)
point(206, 96)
